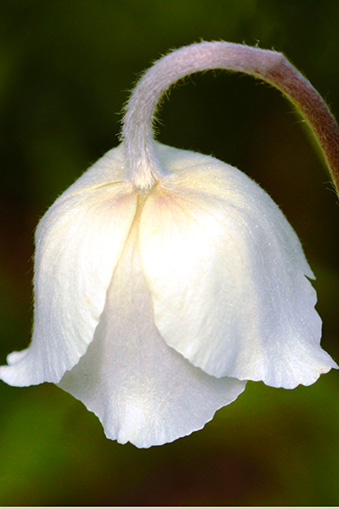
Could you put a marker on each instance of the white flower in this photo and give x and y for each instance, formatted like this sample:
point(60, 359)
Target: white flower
point(155, 305)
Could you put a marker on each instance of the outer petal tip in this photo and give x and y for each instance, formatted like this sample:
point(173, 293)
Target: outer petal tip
point(145, 424)
point(18, 373)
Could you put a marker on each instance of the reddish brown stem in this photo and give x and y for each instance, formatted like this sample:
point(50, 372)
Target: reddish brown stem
point(143, 166)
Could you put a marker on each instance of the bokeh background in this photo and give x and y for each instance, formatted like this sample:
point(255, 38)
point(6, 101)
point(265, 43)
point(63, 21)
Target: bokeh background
point(65, 71)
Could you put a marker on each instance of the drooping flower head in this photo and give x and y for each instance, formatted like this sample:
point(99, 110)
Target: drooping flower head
point(165, 279)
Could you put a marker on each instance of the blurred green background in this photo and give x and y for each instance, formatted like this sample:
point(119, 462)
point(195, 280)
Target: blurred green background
point(65, 71)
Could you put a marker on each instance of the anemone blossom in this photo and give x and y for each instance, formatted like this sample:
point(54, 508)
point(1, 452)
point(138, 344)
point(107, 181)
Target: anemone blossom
point(165, 279)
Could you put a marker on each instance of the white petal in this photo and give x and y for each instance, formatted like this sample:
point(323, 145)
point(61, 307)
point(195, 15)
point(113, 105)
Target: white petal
point(78, 243)
point(227, 276)
point(142, 390)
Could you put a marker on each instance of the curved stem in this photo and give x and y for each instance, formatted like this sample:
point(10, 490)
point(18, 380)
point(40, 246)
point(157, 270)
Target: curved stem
point(143, 166)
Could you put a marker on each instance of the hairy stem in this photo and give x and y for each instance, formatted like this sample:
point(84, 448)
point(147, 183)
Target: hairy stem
point(143, 166)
